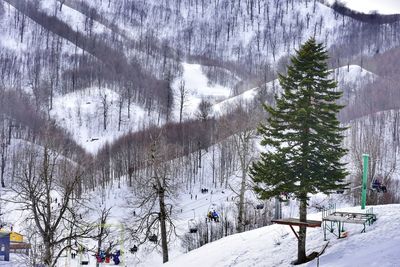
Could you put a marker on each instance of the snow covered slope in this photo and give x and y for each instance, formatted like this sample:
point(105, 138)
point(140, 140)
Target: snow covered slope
point(276, 245)
point(351, 79)
point(82, 114)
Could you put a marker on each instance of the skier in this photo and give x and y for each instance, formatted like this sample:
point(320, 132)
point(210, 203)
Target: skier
point(215, 216)
point(116, 257)
point(210, 215)
point(376, 185)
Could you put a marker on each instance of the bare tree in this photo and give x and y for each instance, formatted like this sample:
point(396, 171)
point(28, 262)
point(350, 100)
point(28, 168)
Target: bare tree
point(103, 230)
point(183, 97)
point(154, 199)
point(243, 139)
point(204, 111)
point(45, 189)
point(62, 2)
point(3, 151)
point(120, 105)
point(106, 106)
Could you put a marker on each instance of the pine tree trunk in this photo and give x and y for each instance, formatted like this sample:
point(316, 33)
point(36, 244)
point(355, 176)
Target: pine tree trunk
point(301, 251)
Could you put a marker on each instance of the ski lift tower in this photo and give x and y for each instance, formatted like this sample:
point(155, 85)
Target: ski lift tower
point(278, 209)
point(364, 181)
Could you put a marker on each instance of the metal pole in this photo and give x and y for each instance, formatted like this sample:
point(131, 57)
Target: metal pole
point(278, 209)
point(364, 181)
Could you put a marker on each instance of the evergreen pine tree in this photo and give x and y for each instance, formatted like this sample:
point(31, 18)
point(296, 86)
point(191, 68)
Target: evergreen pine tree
point(303, 136)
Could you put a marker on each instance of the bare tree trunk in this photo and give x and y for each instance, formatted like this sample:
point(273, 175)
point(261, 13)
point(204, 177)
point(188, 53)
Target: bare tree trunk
point(163, 215)
point(182, 99)
point(105, 111)
point(100, 241)
point(103, 232)
point(241, 222)
point(3, 163)
point(48, 255)
point(61, 4)
point(121, 102)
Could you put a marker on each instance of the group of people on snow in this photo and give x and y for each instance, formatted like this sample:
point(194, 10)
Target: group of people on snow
point(105, 256)
point(204, 190)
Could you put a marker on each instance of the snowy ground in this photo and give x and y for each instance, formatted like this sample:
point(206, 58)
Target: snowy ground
point(276, 245)
point(198, 87)
point(269, 246)
point(190, 205)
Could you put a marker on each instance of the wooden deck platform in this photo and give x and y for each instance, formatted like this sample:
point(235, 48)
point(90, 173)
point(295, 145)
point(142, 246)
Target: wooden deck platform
point(19, 245)
point(297, 222)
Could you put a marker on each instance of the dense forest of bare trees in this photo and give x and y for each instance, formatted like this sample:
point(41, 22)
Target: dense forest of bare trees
point(129, 62)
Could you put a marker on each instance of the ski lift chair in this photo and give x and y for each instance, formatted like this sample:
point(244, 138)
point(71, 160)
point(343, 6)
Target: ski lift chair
point(259, 206)
point(340, 191)
point(192, 226)
point(133, 249)
point(85, 259)
point(215, 216)
point(377, 186)
point(383, 188)
point(153, 238)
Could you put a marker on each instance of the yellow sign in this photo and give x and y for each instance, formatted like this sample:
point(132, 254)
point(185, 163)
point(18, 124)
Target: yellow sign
point(14, 236)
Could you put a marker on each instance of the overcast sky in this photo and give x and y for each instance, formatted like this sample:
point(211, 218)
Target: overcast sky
point(366, 6)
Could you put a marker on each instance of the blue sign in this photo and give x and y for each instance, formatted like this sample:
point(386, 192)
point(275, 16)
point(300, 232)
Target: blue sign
point(5, 246)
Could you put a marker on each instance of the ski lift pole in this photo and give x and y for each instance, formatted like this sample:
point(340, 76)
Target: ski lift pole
point(278, 209)
point(364, 181)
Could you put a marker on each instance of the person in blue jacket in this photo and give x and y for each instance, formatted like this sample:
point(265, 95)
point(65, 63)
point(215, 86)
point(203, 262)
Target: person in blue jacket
point(116, 257)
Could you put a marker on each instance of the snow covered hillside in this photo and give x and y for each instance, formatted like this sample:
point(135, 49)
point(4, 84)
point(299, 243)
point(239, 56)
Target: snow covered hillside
point(94, 117)
point(276, 245)
point(351, 80)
